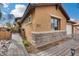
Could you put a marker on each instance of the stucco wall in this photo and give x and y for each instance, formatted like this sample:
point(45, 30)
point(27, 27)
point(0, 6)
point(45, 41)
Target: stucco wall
point(28, 31)
point(28, 27)
point(42, 18)
point(41, 21)
point(69, 29)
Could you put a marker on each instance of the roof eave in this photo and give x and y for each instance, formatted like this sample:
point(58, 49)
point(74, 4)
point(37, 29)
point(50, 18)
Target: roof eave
point(30, 6)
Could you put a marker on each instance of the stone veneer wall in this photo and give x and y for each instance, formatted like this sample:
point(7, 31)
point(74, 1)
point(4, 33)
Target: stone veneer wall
point(43, 38)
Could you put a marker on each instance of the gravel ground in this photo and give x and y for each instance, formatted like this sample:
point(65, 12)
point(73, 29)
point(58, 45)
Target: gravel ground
point(13, 47)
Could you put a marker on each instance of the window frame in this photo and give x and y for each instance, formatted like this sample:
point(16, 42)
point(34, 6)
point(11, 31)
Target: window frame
point(28, 19)
point(58, 23)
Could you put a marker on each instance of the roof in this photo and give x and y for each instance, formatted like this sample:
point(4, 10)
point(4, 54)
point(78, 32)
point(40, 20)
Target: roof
point(73, 22)
point(17, 18)
point(33, 5)
point(76, 23)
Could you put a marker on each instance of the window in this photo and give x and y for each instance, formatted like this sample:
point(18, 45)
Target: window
point(28, 19)
point(55, 24)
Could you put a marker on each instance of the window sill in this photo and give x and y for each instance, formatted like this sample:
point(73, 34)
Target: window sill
point(28, 23)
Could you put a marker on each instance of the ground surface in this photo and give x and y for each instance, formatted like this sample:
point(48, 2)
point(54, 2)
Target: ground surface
point(14, 48)
point(18, 42)
point(61, 50)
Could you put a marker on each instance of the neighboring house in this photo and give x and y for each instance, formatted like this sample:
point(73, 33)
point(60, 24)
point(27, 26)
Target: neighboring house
point(76, 27)
point(17, 23)
point(48, 17)
point(70, 28)
point(18, 26)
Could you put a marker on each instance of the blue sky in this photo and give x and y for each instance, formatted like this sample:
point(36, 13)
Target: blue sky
point(13, 8)
point(72, 9)
point(18, 9)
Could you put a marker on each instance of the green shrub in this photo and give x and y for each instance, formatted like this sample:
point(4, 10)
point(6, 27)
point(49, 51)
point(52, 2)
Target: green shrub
point(25, 42)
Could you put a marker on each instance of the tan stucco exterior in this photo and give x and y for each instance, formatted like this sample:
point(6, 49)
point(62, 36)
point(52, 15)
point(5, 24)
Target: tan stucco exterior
point(41, 20)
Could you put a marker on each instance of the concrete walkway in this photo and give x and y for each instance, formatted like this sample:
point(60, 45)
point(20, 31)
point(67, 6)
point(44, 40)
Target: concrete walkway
point(17, 40)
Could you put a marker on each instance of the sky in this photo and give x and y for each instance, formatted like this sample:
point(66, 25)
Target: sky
point(72, 10)
point(17, 9)
point(13, 8)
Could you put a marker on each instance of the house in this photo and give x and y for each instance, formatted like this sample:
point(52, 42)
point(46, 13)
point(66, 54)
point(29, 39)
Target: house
point(17, 21)
point(70, 28)
point(76, 27)
point(43, 23)
point(17, 24)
